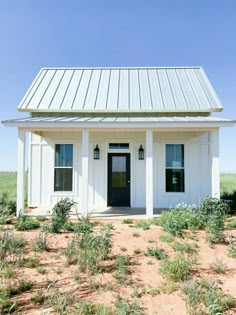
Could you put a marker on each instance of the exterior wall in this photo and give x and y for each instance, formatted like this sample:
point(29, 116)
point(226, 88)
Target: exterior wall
point(197, 167)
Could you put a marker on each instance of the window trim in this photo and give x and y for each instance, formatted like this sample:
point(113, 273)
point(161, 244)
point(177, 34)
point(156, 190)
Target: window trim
point(176, 142)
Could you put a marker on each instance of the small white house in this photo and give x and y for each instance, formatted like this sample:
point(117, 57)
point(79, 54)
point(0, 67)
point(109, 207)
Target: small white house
point(119, 137)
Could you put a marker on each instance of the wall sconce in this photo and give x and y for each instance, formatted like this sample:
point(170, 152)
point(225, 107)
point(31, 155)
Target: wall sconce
point(141, 153)
point(96, 153)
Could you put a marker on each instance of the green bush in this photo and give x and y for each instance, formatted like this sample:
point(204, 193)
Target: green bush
point(177, 269)
point(180, 217)
point(25, 223)
point(158, 253)
point(124, 306)
point(212, 213)
point(10, 245)
point(60, 214)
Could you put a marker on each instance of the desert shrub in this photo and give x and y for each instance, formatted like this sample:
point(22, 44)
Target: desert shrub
point(185, 247)
point(232, 246)
point(124, 306)
point(231, 224)
point(180, 217)
point(121, 273)
point(60, 301)
point(177, 269)
point(40, 244)
point(15, 288)
point(145, 225)
point(7, 306)
point(10, 245)
point(204, 294)
point(212, 213)
point(25, 223)
point(83, 226)
point(158, 253)
point(60, 214)
point(39, 297)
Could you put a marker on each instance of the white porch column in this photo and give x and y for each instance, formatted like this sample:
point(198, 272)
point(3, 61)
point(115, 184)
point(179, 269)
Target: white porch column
point(20, 173)
point(149, 174)
point(215, 165)
point(84, 188)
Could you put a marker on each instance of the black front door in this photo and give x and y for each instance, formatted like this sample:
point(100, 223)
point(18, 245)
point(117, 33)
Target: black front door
point(119, 179)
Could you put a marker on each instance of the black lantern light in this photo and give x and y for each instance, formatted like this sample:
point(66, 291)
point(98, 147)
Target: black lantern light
point(96, 153)
point(141, 153)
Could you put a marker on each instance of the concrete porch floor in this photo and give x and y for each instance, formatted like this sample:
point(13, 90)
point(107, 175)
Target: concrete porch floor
point(118, 213)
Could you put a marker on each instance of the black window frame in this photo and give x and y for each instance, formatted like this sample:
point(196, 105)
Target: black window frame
point(65, 168)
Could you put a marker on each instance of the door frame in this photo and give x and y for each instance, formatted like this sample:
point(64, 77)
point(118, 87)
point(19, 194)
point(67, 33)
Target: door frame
point(130, 150)
point(109, 169)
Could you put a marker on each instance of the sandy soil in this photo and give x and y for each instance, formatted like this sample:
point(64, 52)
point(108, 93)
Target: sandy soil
point(144, 272)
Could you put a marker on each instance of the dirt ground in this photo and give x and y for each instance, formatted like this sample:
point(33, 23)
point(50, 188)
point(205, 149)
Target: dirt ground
point(144, 275)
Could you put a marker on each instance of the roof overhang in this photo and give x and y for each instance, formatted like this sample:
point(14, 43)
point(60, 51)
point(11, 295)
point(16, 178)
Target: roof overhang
point(50, 123)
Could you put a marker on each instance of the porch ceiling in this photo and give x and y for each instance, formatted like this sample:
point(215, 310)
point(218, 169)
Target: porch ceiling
point(39, 123)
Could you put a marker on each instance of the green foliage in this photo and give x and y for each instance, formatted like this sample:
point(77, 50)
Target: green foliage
point(232, 246)
point(16, 288)
point(212, 213)
point(145, 225)
point(177, 269)
point(85, 307)
point(122, 271)
point(83, 226)
point(204, 294)
point(126, 307)
point(181, 217)
point(7, 306)
point(40, 244)
point(38, 298)
point(227, 183)
point(7, 209)
point(158, 253)
point(219, 266)
point(10, 245)
point(60, 301)
point(231, 224)
point(60, 214)
point(127, 221)
point(185, 247)
point(25, 223)
point(136, 234)
point(166, 238)
point(29, 262)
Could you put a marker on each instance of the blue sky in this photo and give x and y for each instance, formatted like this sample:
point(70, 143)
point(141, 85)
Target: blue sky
point(35, 34)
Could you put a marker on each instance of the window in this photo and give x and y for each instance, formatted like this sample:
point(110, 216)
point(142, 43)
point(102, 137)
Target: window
point(119, 146)
point(175, 168)
point(63, 171)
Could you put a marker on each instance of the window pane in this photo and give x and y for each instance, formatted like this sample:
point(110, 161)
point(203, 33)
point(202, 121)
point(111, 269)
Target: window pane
point(174, 180)
point(118, 171)
point(63, 179)
point(174, 155)
point(119, 146)
point(64, 155)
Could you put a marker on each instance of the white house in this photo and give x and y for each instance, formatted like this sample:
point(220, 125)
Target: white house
point(119, 137)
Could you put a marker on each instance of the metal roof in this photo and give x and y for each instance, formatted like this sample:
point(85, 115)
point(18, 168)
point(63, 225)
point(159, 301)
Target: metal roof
point(118, 122)
point(176, 89)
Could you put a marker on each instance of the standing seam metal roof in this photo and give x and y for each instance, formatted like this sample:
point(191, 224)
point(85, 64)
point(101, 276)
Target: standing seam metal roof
point(121, 89)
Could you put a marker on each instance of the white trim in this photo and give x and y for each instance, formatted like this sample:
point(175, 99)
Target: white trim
point(85, 171)
point(215, 168)
point(21, 173)
point(149, 174)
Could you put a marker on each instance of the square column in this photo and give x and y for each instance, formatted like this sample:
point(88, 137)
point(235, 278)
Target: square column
point(215, 165)
point(85, 159)
point(20, 204)
point(149, 174)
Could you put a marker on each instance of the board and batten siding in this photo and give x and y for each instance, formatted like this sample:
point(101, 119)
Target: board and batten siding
point(41, 167)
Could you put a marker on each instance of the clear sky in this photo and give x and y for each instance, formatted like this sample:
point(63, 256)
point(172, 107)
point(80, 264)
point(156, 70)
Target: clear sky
point(35, 34)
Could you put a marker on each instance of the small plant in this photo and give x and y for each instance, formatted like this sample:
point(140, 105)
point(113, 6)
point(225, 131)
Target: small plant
point(151, 291)
point(219, 266)
point(136, 235)
point(137, 251)
point(123, 249)
point(203, 294)
point(151, 241)
point(40, 244)
point(17, 288)
point(60, 301)
point(185, 247)
point(232, 246)
point(121, 273)
point(7, 306)
point(127, 221)
point(83, 226)
point(30, 262)
point(84, 307)
point(60, 214)
point(166, 238)
point(71, 253)
point(10, 245)
point(38, 298)
point(158, 253)
point(168, 287)
point(231, 224)
point(126, 307)
point(24, 223)
point(143, 224)
point(177, 269)
point(41, 270)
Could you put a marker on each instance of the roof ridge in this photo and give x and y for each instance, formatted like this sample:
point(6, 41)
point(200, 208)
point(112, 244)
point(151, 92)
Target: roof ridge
point(121, 67)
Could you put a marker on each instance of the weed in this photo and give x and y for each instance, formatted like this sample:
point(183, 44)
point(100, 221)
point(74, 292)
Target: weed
point(121, 273)
point(143, 224)
point(60, 301)
point(40, 244)
point(219, 266)
point(158, 253)
point(168, 287)
point(123, 249)
point(231, 224)
point(10, 245)
point(41, 218)
point(137, 251)
point(17, 288)
point(85, 307)
point(6, 215)
point(71, 253)
point(125, 307)
point(151, 291)
point(232, 246)
point(156, 221)
point(127, 221)
point(137, 292)
point(60, 214)
point(136, 234)
point(30, 262)
point(6, 271)
point(7, 306)
point(166, 238)
point(206, 294)
point(38, 298)
point(41, 270)
point(24, 223)
point(177, 269)
point(151, 241)
point(185, 247)
point(83, 226)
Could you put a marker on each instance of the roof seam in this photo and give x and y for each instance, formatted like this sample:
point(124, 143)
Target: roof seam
point(96, 97)
point(158, 79)
point(47, 88)
point(72, 105)
point(189, 81)
point(86, 94)
point(171, 89)
point(67, 88)
point(108, 87)
point(181, 89)
point(150, 92)
point(56, 89)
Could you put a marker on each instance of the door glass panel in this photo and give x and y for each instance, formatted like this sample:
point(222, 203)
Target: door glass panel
point(118, 171)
